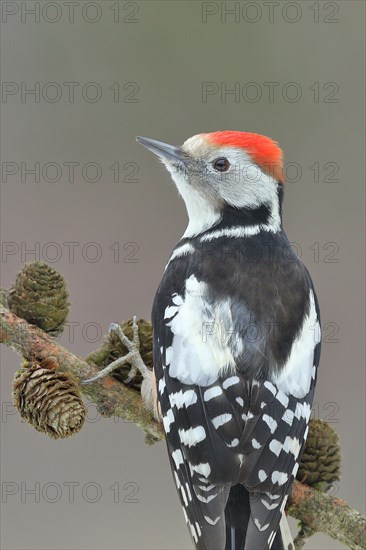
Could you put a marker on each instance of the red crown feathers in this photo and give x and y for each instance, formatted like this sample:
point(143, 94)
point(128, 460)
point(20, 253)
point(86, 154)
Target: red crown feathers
point(264, 151)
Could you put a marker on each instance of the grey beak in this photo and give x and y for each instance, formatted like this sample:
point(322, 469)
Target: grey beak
point(163, 150)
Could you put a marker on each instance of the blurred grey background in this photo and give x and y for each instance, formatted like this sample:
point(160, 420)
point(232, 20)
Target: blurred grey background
point(103, 72)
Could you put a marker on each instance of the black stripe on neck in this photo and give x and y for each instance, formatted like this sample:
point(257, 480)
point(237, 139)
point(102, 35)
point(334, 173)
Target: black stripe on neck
point(236, 217)
point(242, 217)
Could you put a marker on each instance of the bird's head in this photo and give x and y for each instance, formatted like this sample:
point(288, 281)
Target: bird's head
point(224, 170)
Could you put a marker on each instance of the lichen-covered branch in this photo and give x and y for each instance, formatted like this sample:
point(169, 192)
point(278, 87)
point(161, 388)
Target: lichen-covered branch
point(111, 397)
point(321, 512)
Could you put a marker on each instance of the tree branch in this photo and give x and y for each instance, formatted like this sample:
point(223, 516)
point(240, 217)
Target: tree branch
point(321, 512)
point(111, 397)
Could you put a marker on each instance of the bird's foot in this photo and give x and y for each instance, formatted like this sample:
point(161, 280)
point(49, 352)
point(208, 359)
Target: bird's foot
point(133, 356)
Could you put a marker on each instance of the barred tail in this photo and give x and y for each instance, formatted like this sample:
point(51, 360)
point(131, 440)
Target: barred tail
point(237, 515)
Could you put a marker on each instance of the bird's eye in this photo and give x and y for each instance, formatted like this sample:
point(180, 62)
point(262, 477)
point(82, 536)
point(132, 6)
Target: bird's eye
point(221, 165)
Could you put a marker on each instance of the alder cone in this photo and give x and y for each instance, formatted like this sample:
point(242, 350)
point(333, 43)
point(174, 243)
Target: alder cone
point(320, 462)
point(48, 400)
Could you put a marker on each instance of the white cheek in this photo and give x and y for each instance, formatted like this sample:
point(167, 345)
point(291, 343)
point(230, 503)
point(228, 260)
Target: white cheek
point(245, 185)
point(201, 214)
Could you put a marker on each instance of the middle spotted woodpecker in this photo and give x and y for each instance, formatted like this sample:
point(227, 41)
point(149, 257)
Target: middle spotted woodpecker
point(236, 343)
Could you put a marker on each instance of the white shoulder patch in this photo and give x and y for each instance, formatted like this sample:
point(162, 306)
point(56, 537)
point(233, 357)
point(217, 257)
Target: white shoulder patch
point(295, 378)
point(199, 349)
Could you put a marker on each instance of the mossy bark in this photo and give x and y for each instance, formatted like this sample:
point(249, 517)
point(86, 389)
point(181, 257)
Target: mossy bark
point(321, 512)
point(111, 397)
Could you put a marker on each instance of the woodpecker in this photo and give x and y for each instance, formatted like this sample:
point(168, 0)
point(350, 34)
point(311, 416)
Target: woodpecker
point(236, 343)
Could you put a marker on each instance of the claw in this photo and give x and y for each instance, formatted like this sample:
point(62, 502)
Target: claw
point(113, 327)
point(131, 375)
